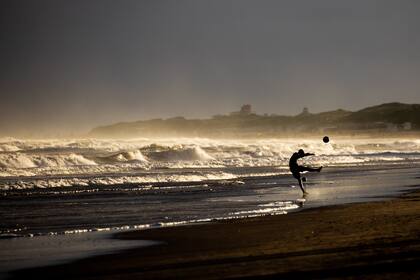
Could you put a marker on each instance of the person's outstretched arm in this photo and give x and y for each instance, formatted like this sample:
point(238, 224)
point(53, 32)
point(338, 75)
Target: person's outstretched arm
point(308, 154)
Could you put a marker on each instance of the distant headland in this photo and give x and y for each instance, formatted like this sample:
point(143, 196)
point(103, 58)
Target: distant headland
point(389, 118)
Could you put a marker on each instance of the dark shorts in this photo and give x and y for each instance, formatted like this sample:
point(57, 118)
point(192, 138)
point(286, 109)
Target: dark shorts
point(296, 175)
point(298, 169)
point(295, 169)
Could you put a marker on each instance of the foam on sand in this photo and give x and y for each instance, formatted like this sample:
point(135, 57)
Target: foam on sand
point(21, 184)
point(272, 208)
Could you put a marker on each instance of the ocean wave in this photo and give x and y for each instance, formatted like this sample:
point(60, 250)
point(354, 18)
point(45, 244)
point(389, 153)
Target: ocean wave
point(9, 148)
point(181, 154)
point(93, 157)
point(126, 156)
point(21, 184)
point(21, 160)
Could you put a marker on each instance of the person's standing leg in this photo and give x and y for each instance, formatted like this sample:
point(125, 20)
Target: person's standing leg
point(301, 185)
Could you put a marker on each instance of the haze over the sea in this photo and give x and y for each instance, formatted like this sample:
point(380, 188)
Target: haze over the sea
point(68, 66)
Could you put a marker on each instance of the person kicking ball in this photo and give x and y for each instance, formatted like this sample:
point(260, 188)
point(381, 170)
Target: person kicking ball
point(296, 169)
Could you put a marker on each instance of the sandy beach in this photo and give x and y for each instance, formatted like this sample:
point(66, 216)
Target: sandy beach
point(378, 240)
point(210, 140)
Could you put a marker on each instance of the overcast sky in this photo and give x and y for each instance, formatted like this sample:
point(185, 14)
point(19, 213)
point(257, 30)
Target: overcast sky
point(71, 65)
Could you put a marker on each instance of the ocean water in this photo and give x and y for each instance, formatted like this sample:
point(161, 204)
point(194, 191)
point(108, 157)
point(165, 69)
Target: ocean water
point(55, 191)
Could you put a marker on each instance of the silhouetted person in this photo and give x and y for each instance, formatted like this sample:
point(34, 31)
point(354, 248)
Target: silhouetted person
point(296, 169)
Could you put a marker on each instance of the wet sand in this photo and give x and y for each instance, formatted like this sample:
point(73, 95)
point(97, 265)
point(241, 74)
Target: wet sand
point(378, 240)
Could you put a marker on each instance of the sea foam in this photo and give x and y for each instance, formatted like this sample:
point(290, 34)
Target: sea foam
point(84, 162)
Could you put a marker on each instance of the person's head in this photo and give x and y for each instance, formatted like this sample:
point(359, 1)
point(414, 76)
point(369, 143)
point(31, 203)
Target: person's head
point(301, 152)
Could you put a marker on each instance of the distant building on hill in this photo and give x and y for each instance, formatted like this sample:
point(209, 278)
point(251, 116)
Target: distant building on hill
point(305, 112)
point(246, 110)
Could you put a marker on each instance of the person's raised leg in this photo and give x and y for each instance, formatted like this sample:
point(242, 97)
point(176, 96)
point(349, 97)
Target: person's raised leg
point(309, 169)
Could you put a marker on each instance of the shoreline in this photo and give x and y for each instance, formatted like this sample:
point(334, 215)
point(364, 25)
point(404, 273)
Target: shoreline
point(377, 239)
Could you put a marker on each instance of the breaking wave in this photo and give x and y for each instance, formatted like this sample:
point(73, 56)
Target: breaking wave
point(21, 160)
point(125, 157)
point(182, 154)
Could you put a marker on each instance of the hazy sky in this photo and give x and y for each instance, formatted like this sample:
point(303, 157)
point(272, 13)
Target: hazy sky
point(70, 65)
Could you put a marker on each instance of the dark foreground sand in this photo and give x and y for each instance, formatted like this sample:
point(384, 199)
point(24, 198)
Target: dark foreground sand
point(366, 240)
